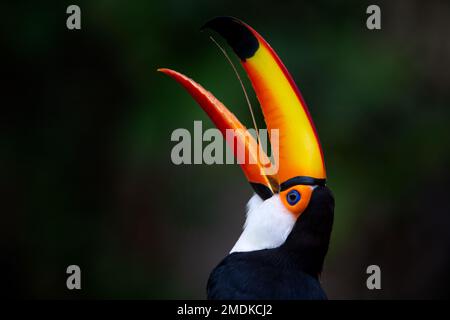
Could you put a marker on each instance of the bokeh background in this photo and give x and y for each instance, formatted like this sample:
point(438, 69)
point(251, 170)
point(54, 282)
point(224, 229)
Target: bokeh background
point(86, 176)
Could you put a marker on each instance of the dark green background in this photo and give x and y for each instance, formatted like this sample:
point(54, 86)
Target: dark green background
point(86, 176)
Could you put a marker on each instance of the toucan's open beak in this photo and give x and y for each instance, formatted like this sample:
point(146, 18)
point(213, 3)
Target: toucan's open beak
point(300, 158)
point(300, 154)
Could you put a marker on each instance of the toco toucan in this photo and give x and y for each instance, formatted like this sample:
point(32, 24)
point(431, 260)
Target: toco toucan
point(281, 250)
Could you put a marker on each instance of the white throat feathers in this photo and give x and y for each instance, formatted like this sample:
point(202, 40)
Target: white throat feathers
point(267, 225)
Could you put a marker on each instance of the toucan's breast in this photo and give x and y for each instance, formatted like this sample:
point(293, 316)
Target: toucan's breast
point(263, 274)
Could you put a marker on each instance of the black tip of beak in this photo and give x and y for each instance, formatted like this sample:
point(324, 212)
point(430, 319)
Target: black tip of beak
point(237, 34)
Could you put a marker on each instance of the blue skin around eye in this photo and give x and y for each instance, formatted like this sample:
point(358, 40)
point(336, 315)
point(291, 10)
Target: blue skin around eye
point(293, 197)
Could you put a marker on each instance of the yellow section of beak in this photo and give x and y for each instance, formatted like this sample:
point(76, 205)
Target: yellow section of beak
point(299, 148)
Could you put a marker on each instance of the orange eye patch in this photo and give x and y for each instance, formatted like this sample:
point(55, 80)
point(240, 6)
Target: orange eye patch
point(297, 198)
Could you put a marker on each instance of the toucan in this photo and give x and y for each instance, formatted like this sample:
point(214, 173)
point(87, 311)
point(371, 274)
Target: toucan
point(281, 251)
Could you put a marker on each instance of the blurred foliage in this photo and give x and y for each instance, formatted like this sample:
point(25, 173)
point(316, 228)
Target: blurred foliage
point(85, 135)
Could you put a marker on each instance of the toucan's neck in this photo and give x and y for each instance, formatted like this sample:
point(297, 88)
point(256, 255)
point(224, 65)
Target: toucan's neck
point(302, 241)
point(267, 226)
point(307, 244)
point(308, 257)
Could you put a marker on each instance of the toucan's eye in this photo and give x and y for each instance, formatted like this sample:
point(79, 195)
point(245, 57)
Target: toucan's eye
point(293, 197)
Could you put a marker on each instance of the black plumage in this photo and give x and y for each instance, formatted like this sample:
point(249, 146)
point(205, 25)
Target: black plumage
point(290, 271)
